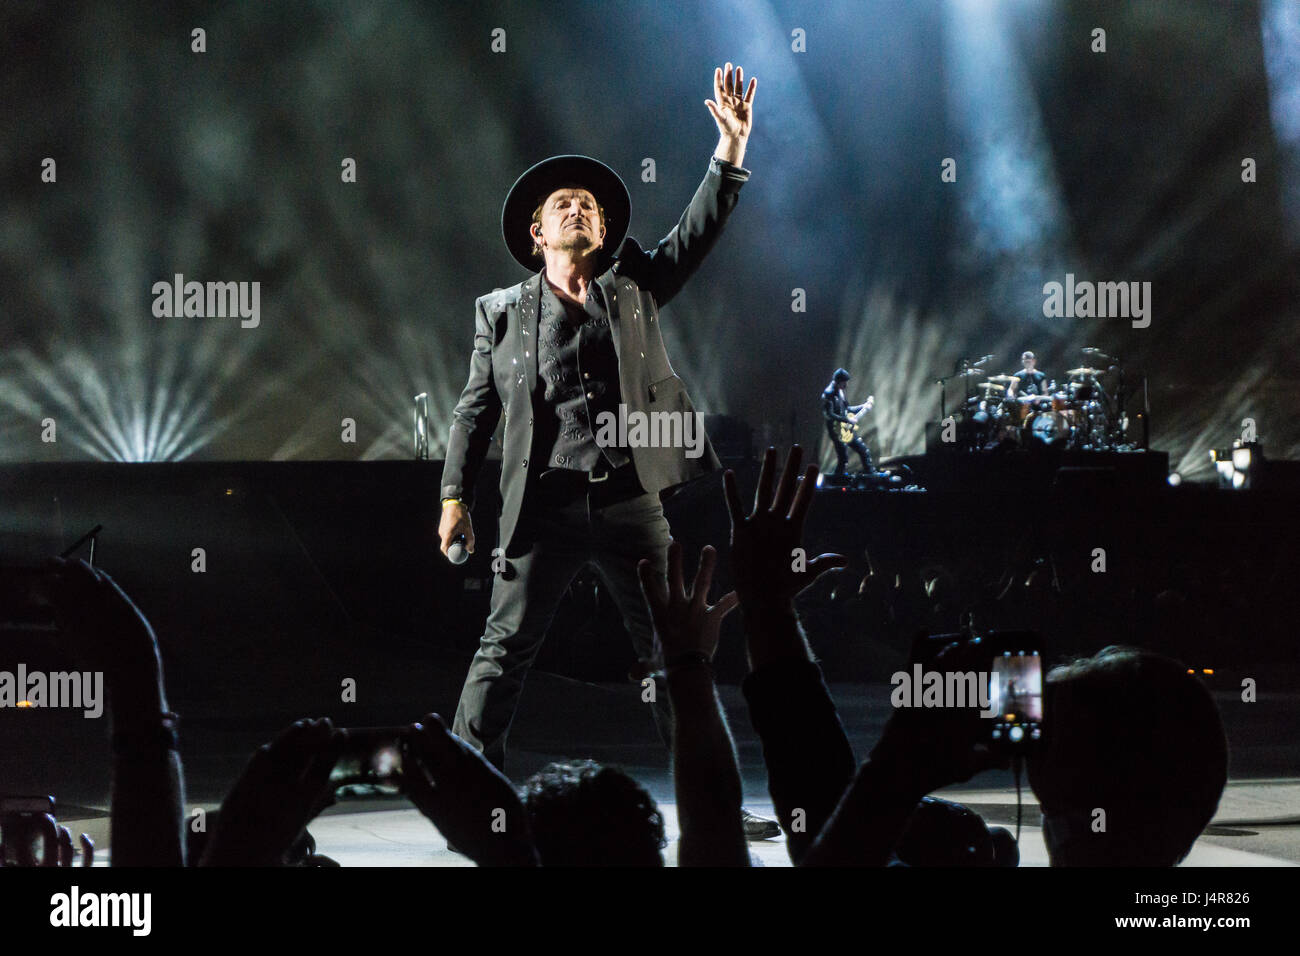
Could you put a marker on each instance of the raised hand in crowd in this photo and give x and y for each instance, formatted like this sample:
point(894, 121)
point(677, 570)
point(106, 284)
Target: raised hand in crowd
point(809, 759)
point(921, 750)
point(471, 803)
point(284, 786)
point(707, 779)
point(767, 555)
point(102, 630)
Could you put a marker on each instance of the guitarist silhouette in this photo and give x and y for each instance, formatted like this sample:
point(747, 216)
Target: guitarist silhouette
point(842, 423)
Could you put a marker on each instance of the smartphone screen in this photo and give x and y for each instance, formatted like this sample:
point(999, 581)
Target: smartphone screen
point(371, 763)
point(1016, 693)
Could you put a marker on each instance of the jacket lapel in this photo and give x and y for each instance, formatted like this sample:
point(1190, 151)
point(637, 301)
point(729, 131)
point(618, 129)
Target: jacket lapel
point(530, 304)
point(608, 284)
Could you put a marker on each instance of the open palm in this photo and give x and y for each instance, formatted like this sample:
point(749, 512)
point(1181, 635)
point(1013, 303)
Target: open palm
point(733, 112)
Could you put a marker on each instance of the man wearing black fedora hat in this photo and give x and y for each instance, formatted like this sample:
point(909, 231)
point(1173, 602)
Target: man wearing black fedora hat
point(564, 353)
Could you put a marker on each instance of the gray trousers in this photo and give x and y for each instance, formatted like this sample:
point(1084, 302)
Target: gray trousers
point(566, 528)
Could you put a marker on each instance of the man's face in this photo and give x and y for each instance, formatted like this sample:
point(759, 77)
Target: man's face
point(571, 222)
point(1029, 362)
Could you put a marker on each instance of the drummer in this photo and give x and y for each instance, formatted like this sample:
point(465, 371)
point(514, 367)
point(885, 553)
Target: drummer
point(1028, 381)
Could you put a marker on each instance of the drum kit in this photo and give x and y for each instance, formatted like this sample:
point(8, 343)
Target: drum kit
point(1078, 414)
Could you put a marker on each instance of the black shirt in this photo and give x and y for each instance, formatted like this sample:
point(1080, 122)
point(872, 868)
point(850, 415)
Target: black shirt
point(1031, 383)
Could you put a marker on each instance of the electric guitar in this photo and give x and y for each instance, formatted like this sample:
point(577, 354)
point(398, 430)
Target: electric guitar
point(850, 428)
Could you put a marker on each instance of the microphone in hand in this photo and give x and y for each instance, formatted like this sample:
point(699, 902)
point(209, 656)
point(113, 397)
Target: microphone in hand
point(456, 552)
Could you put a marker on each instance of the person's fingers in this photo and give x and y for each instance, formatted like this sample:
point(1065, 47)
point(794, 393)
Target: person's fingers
point(675, 584)
point(753, 84)
point(803, 497)
point(726, 604)
point(436, 746)
point(417, 774)
point(47, 832)
point(283, 758)
point(785, 490)
point(717, 84)
point(732, 494)
point(763, 493)
point(703, 577)
point(823, 563)
point(962, 655)
point(261, 763)
point(65, 846)
point(316, 778)
point(728, 78)
point(87, 851)
point(316, 736)
point(740, 81)
point(296, 747)
point(469, 535)
point(417, 748)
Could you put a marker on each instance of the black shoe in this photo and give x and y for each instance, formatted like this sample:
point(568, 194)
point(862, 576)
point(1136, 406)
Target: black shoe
point(758, 828)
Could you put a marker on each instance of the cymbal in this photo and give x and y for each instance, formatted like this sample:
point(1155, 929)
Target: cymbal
point(1075, 372)
point(1002, 379)
point(970, 371)
point(992, 387)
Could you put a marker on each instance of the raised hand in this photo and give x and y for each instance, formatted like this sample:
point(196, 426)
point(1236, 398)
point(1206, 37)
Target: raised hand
point(470, 802)
point(103, 630)
point(282, 789)
point(733, 112)
point(766, 546)
point(928, 748)
point(685, 622)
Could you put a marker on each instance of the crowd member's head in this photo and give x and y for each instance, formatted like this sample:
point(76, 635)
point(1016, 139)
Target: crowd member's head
point(583, 813)
point(1133, 761)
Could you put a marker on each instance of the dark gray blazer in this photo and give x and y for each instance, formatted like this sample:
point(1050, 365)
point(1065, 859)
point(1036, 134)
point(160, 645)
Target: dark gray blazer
point(503, 365)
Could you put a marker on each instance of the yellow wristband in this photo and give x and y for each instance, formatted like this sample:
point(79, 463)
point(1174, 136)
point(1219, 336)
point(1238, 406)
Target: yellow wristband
point(446, 501)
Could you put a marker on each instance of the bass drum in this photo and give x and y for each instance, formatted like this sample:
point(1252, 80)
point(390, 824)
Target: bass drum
point(1046, 428)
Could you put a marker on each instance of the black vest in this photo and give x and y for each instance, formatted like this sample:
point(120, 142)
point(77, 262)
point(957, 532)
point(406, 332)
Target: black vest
point(578, 379)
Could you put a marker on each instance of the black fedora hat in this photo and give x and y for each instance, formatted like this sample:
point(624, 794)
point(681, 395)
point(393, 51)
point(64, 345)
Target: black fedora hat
point(563, 172)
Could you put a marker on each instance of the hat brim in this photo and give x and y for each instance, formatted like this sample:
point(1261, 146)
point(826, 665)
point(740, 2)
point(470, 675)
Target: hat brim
point(560, 172)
